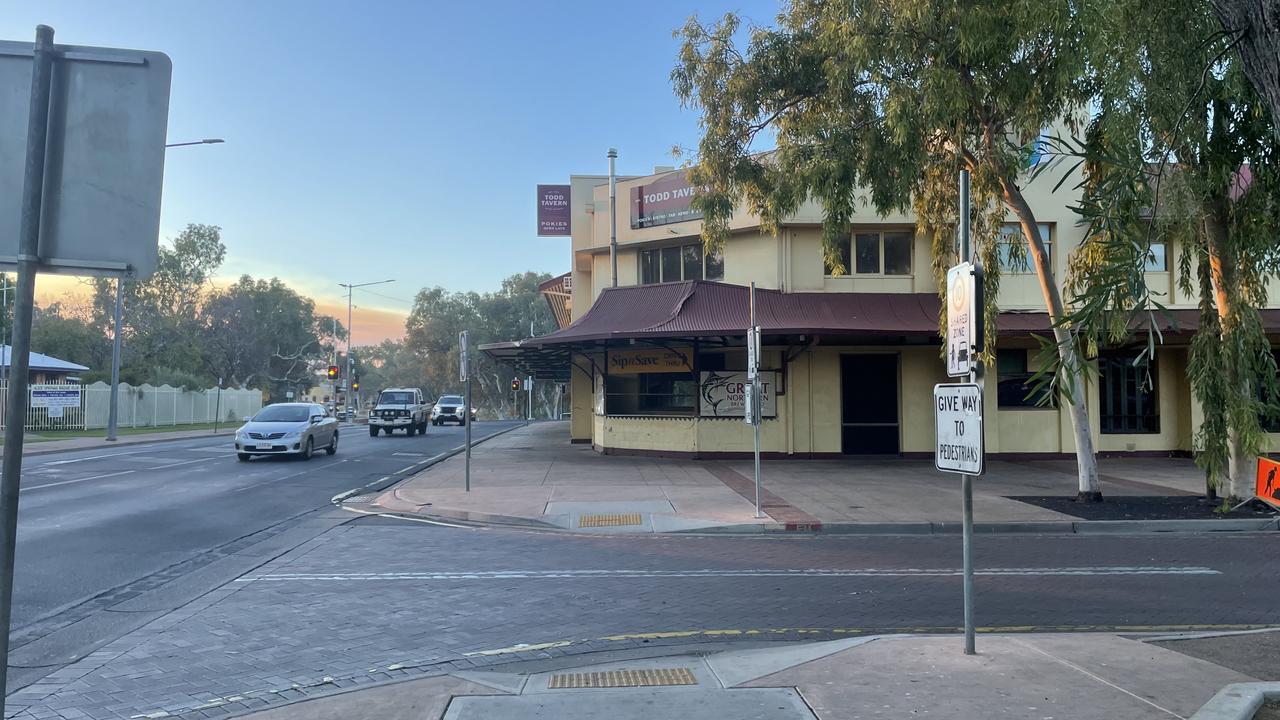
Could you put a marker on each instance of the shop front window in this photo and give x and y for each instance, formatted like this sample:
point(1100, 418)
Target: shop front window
point(1015, 388)
point(651, 394)
point(1127, 394)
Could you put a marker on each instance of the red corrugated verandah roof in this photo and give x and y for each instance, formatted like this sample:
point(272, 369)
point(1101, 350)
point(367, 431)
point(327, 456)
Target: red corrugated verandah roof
point(696, 309)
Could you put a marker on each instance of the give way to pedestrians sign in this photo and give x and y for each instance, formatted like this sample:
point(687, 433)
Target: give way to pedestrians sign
point(957, 412)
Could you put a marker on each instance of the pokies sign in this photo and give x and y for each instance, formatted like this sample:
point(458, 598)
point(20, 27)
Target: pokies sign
point(650, 360)
point(668, 199)
point(553, 210)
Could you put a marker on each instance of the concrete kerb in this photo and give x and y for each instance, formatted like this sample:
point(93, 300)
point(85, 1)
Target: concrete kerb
point(1079, 527)
point(1238, 701)
point(387, 482)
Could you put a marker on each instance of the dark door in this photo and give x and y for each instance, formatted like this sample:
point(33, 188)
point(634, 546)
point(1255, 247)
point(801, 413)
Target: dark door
point(869, 404)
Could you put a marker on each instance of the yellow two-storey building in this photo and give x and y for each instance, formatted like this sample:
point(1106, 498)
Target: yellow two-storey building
point(655, 357)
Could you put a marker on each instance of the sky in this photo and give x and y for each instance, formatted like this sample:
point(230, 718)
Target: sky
point(395, 139)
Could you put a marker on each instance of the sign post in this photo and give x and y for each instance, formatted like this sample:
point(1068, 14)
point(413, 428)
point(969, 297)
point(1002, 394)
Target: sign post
point(464, 373)
point(753, 393)
point(958, 421)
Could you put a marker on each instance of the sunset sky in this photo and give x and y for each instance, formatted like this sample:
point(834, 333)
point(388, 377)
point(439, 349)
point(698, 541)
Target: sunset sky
point(397, 139)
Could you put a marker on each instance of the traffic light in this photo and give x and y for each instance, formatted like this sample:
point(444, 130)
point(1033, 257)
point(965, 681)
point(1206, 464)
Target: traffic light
point(515, 384)
point(333, 371)
point(355, 383)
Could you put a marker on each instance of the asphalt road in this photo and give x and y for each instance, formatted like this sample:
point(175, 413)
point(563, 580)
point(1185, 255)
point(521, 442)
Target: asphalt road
point(99, 526)
point(379, 599)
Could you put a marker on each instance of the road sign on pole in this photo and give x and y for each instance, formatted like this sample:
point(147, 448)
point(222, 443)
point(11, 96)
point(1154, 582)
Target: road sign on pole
point(964, 318)
point(957, 413)
point(465, 350)
point(463, 355)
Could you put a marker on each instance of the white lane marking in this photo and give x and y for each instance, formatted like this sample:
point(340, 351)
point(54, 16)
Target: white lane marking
point(77, 480)
point(91, 457)
point(425, 521)
point(818, 573)
point(407, 454)
point(184, 462)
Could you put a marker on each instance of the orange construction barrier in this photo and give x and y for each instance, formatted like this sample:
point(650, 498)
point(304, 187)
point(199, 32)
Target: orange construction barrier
point(1267, 484)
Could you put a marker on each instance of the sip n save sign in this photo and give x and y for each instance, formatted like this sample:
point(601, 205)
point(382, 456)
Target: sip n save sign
point(957, 412)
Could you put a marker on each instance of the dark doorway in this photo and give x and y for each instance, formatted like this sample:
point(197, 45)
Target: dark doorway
point(869, 404)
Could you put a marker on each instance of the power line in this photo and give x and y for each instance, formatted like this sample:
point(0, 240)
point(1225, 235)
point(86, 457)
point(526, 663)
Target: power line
point(386, 297)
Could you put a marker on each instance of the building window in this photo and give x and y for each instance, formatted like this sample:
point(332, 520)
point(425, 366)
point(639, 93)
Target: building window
point(1157, 258)
point(1014, 386)
point(679, 262)
point(651, 394)
point(1012, 249)
point(1127, 394)
point(876, 253)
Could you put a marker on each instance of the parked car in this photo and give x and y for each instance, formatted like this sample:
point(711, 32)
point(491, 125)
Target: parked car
point(449, 409)
point(287, 429)
point(399, 409)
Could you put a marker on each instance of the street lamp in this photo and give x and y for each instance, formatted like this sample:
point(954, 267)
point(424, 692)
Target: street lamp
point(113, 413)
point(206, 141)
point(350, 361)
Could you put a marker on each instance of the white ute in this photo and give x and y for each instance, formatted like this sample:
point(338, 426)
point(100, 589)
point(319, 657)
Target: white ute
point(399, 409)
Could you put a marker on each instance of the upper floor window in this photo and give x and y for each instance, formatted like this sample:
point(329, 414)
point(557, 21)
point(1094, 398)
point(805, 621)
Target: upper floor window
point(680, 262)
point(1157, 258)
point(876, 253)
point(1019, 260)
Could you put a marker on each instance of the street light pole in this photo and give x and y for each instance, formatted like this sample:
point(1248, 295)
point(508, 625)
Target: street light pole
point(613, 216)
point(113, 412)
point(350, 362)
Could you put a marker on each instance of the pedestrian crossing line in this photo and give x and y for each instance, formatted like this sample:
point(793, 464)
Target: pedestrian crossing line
point(715, 573)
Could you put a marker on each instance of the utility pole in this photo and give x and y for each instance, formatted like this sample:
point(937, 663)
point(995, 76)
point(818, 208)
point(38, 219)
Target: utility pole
point(613, 216)
point(350, 360)
point(113, 412)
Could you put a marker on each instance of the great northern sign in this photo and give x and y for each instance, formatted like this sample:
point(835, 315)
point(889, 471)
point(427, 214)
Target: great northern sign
point(957, 412)
point(667, 199)
point(650, 360)
point(724, 394)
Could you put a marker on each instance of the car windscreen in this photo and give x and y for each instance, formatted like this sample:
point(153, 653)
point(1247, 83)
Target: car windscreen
point(282, 413)
point(450, 400)
point(395, 398)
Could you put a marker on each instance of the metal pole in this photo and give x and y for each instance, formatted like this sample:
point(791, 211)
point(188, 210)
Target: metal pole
point(113, 412)
point(755, 395)
point(23, 306)
point(350, 364)
point(613, 216)
point(966, 481)
point(466, 424)
point(217, 407)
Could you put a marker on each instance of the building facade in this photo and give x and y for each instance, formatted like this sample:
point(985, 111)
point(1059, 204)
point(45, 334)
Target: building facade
point(655, 364)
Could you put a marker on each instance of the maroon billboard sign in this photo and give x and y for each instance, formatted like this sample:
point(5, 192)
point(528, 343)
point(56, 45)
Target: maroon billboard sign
point(666, 200)
point(553, 210)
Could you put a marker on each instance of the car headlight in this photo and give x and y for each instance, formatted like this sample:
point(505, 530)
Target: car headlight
point(293, 434)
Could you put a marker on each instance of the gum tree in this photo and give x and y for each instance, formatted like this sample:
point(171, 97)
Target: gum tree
point(1183, 151)
point(880, 103)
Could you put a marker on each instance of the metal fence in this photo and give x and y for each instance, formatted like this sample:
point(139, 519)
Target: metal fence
point(142, 406)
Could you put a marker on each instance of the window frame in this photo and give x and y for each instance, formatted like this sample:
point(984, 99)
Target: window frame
point(1046, 237)
point(655, 255)
point(1128, 422)
point(849, 253)
point(1023, 402)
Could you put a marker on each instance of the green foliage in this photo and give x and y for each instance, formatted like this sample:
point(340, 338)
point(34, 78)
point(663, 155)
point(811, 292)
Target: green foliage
point(438, 315)
point(1179, 129)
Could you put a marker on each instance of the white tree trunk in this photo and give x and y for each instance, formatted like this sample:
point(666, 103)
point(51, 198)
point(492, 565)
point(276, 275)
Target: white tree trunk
point(1068, 353)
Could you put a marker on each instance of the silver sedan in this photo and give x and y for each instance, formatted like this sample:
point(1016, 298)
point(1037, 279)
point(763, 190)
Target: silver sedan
point(287, 429)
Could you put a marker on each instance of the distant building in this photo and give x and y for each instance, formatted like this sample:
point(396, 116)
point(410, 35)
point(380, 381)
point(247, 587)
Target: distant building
point(44, 368)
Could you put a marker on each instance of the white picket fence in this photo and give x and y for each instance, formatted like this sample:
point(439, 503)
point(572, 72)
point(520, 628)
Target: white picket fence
point(143, 406)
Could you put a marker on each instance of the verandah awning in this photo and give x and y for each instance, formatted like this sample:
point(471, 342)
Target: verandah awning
point(701, 309)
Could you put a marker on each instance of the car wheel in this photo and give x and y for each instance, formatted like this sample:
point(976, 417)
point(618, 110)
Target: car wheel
point(333, 444)
point(373, 431)
point(309, 449)
point(409, 430)
point(462, 422)
point(243, 457)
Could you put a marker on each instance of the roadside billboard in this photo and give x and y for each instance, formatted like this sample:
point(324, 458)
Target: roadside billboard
point(666, 200)
point(724, 394)
point(553, 211)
